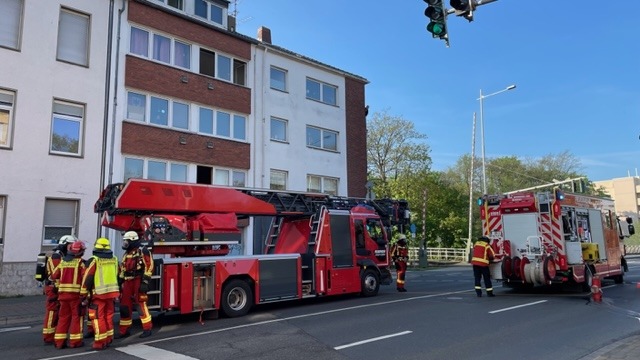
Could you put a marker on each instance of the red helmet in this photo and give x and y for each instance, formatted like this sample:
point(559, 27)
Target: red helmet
point(76, 248)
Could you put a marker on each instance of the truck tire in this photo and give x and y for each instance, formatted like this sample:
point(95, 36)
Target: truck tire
point(370, 282)
point(237, 298)
point(588, 278)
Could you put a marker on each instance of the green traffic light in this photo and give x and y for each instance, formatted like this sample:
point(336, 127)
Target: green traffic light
point(437, 28)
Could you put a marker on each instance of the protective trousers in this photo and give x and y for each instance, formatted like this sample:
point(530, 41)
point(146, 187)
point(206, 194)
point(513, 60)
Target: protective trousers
point(101, 315)
point(70, 319)
point(51, 314)
point(401, 270)
point(482, 272)
point(130, 297)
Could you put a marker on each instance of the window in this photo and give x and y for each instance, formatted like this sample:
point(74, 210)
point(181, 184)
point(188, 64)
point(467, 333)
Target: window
point(207, 63)
point(178, 172)
point(60, 218)
point(159, 111)
point(155, 170)
point(136, 106)
point(239, 126)
point(279, 79)
point(322, 139)
point(206, 121)
point(6, 117)
point(239, 178)
point(221, 177)
point(139, 42)
point(207, 10)
point(322, 92)
point(10, 26)
point(3, 201)
point(182, 55)
point(73, 38)
point(239, 72)
point(133, 168)
point(176, 4)
point(224, 68)
point(161, 48)
point(180, 115)
point(66, 128)
point(278, 129)
point(321, 184)
point(223, 124)
point(278, 180)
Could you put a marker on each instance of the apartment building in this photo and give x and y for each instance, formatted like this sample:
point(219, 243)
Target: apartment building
point(159, 89)
point(626, 193)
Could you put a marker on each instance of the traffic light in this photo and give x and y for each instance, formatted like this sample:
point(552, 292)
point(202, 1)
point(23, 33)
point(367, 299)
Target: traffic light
point(437, 13)
point(463, 8)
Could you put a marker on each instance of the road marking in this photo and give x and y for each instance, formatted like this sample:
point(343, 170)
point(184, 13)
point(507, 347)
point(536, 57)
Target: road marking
point(384, 303)
point(15, 328)
point(148, 353)
point(517, 306)
point(372, 340)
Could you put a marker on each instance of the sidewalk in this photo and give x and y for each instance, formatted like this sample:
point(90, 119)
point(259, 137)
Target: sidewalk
point(29, 310)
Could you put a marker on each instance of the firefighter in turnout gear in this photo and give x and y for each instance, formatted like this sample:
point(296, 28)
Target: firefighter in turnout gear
point(99, 292)
point(135, 273)
point(51, 292)
point(400, 257)
point(482, 256)
point(68, 277)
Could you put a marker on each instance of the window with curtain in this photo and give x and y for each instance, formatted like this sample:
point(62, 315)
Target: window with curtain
point(139, 42)
point(182, 55)
point(239, 179)
point(161, 48)
point(73, 37)
point(136, 106)
point(6, 117)
point(278, 180)
point(11, 23)
point(159, 111)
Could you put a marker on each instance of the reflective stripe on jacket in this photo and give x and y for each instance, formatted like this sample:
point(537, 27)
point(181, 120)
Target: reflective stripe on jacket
point(101, 277)
point(482, 253)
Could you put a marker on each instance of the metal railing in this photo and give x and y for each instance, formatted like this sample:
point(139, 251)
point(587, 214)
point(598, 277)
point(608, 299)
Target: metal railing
point(438, 255)
point(632, 249)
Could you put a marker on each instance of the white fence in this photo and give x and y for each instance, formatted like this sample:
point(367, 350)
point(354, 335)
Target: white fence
point(438, 255)
point(632, 249)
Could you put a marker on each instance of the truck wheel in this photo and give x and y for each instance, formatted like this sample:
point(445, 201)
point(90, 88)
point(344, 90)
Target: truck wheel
point(370, 282)
point(237, 298)
point(588, 278)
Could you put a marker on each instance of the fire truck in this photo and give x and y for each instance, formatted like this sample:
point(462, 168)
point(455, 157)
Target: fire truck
point(316, 244)
point(552, 237)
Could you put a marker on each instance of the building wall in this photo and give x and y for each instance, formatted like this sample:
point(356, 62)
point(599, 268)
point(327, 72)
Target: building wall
point(30, 174)
point(626, 193)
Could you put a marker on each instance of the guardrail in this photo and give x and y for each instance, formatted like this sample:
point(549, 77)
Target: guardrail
point(632, 249)
point(438, 255)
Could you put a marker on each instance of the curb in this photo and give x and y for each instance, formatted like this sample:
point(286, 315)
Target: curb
point(20, 320)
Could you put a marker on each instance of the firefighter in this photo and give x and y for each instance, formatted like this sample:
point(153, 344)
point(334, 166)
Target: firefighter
point(482, 256)
point(135, 273)
point(68, 277)
point(400, 256)
point(51, 292)
point(99, 292)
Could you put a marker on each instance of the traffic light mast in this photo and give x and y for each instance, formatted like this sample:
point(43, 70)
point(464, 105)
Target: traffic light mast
point(437, 14)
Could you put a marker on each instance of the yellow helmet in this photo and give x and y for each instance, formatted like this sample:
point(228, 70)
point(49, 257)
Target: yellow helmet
point(102, 244)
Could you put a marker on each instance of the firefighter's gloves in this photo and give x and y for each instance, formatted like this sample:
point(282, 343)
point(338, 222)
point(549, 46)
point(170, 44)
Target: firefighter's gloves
point(144, 284)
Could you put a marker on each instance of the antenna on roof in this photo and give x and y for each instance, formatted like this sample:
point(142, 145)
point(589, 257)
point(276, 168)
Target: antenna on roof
point(235, 12)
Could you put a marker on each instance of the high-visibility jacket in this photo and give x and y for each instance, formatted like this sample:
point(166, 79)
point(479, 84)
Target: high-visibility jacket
point(482, 253)
point(101, 277)
point(136, 263)
point(68, 277)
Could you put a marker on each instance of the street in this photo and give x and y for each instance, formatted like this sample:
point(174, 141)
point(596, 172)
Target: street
point(439, 318)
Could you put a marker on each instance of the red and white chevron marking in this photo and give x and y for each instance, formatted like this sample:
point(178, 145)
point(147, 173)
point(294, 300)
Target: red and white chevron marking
point(550, 230)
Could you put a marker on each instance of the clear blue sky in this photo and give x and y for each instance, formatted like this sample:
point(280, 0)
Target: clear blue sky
point(577, 72)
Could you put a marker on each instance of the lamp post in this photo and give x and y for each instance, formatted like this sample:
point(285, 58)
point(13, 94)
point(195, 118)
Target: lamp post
point(481, 98)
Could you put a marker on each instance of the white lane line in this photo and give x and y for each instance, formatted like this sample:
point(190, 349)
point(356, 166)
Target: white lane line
point(149, 353)
point(372, 340)
point(517, 306)
point(15, 328)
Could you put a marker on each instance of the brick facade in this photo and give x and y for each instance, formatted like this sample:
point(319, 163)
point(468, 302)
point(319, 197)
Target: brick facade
point(356, 138)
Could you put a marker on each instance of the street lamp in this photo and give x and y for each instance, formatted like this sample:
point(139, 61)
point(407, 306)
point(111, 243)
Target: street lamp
point(481, 98)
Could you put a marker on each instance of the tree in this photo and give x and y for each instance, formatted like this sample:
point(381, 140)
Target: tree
point(393, 149)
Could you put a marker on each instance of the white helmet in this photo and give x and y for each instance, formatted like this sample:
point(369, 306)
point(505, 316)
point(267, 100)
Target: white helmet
point(130, 235)
point(67, 239)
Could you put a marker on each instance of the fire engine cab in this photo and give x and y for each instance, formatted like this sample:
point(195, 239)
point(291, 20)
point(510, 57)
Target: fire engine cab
point(316, 244)
point(552, 237)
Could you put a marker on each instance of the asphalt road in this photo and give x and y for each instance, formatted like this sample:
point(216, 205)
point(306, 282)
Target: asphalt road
point(439, 318)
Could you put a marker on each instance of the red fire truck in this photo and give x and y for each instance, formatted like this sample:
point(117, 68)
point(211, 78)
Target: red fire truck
point(316, 245)
point(552, 237)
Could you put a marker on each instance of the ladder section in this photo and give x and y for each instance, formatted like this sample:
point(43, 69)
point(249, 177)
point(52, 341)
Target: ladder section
point(274, 232)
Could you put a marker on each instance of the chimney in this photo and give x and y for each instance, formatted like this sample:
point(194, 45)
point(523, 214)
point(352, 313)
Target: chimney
point(264, 34)
point(231, 23)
